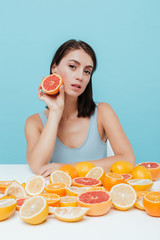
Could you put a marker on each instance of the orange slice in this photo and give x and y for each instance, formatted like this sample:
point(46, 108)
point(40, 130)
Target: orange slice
point(69, 214)
point(57, 188)
point(123, 196)
point(151, 203)
point(140, 184)
point(3, 185)
point(60, 177)
point(96, 172)
point(15, 189)
point(112, 179)
point(35, 185)
point(52, 199)
point(34, 210)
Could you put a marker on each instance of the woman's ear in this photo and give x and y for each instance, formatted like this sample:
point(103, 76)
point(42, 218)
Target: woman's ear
point(54, 68)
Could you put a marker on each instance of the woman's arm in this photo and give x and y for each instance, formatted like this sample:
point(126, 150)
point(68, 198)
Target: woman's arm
point(41, 143)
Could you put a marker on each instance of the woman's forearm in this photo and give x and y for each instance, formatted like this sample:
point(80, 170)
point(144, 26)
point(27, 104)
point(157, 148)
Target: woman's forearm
point(41, 153)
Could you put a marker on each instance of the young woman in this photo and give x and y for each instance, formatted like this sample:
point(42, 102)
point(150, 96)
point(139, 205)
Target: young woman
point(73, 128)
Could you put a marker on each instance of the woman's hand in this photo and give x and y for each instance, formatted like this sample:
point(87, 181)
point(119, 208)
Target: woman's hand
point(46, 170)
point(55, 103)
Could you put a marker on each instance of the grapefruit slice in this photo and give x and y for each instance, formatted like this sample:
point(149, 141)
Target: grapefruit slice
point(51, 84)
point(154, 169)
point(20, 202)
point(127, 176)
point(99, 202)
point(86, 182)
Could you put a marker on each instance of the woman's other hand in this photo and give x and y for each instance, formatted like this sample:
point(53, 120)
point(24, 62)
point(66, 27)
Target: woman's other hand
point(46, 170)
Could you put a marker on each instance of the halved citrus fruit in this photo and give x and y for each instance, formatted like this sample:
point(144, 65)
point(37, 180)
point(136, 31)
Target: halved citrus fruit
point(15, 189)
point(139, 203)
point(140, 172)
point(68, 214)
point(51, 84)
point(70, 170)
point(127, 176)
point(7, 207)
point(60, 177)
point(98, 202)
point(34, 210)
point(83, 168)
point(112, 179)
point(154, 169)
point(52, 199)
point(140, 184)
point(151, 203)
point(35, 185)
point(75, 191)
point(57, 188)
point(69, 201)
point(121, 167)
point(123, 196)
point(86, 182)
point(3, 185)
point(20, 202)
point(96, 172)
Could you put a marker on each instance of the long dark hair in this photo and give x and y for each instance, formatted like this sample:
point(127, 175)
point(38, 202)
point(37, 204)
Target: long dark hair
point(86, 105)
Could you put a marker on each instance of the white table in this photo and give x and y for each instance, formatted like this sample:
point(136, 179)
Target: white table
point(132, 224)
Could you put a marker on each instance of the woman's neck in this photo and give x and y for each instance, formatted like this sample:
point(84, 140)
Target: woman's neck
point(70, 108)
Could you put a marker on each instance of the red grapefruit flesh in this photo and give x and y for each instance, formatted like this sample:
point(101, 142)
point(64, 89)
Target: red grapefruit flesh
point(127, 176)
point(51, 84)
point(154, 169)
point(86, 182)
point(20, 202)
point(99, 202)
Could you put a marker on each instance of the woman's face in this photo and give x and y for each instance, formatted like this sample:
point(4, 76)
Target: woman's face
point(75, 69)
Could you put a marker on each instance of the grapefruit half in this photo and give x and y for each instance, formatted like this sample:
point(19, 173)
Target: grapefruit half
point(51, 84)
point(154, 169)
point(99, 202)
point(86, 182)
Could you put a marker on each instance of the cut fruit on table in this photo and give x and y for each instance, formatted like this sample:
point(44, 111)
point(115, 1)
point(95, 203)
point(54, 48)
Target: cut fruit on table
point(127, 176)
point(98, 202)
point(154, 169)
point(112, 179)
point(51, 84)
point(4, 185)
point(140, 184)
point(15, 189)
point(123, 196)
point(20, 202)
point(35, 185)
point(86, 182)
point(60, 177)
point(69, 201)
point(74, 191)
point(96, 172)
point(151, 203)
point(139, 203)
point(57, 188)
point(69, 214)
point(140, 172)
point(7, 208)
point(52, 199)
point(70, 170)
point(34, 210)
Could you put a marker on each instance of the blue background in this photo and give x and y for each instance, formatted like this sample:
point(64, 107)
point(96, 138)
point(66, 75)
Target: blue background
point(126, 38)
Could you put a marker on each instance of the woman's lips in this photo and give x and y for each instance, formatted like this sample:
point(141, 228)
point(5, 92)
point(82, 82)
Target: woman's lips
point(76, 86)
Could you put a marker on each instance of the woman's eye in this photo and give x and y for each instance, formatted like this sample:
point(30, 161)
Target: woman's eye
point(72, 66)
point(87, 72)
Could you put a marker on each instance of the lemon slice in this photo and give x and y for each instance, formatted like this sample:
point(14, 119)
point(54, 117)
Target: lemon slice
point(96, 172)
point(123, 196)
point(75, 191)
point(7, 207)
point(69, 201)
point(139, 203)
point(59, 176)
point(34, 210)
point(140, 184)
point(69, 214)
point(15, 189)
point(35, 185)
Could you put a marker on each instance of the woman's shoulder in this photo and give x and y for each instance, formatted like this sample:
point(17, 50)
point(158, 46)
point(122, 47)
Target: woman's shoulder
point(103, 107)
point(34, 121)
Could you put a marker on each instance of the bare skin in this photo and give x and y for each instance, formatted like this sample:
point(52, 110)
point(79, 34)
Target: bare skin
point(75, 68)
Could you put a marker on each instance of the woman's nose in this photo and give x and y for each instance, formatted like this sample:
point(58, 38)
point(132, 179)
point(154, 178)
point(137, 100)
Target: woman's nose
point(79, 74)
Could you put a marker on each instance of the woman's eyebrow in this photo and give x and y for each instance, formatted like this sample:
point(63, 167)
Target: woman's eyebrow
point(79, 63)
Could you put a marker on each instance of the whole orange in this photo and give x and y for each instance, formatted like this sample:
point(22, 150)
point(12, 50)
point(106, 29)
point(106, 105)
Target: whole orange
point(83, 168)
point(141, 172)
point(70, 170)
point(122, 167)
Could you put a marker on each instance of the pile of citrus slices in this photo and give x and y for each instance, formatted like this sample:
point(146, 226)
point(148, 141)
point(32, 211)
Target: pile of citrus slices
point(73, 192)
